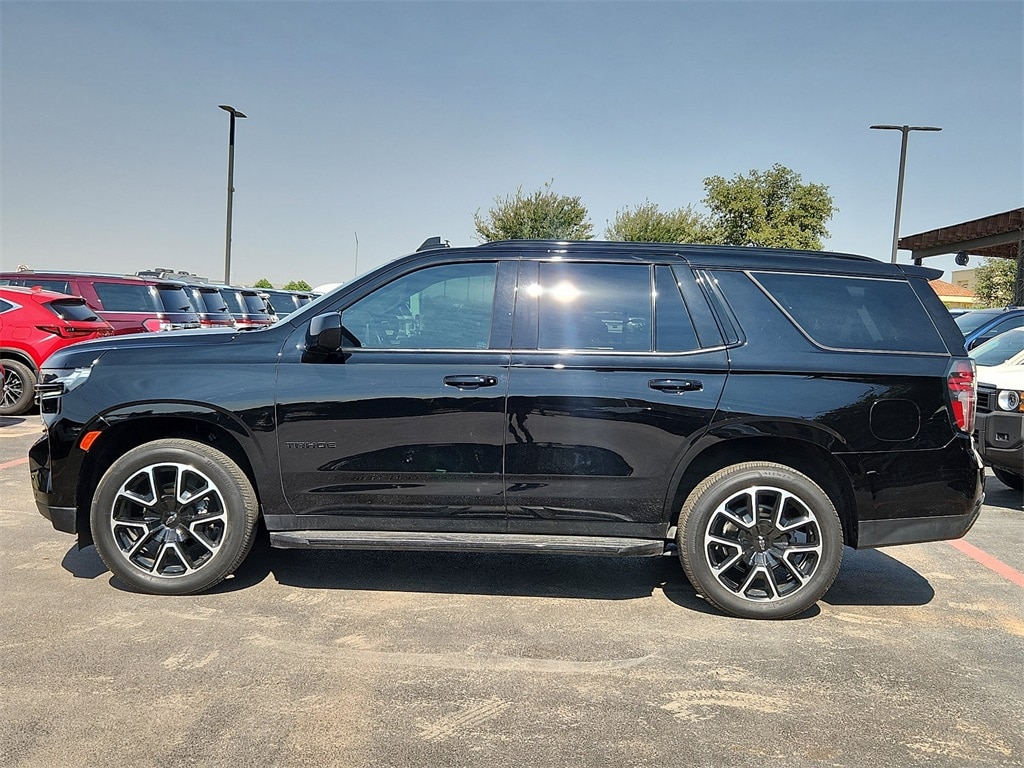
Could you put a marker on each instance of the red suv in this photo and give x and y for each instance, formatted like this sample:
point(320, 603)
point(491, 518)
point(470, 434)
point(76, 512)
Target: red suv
point(33, 325)
point(130, 304)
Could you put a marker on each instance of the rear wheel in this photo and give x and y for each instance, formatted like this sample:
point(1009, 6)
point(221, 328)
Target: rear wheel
point(1008, 478)
point(760, 540)
point(173, 517)
point(18, 391)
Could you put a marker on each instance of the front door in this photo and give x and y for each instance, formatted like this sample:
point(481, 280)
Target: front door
point(405, 429)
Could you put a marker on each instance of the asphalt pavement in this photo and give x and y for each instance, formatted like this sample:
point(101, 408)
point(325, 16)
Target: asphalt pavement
point(913, 658)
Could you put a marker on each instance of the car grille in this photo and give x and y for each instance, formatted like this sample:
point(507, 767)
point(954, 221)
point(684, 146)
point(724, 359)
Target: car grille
point(986, 398)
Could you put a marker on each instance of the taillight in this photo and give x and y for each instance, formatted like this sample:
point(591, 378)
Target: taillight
point(64, 331)
point(154, 324)
point(963, 393)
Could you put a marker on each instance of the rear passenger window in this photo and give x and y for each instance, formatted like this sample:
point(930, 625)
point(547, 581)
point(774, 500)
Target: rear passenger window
point(854, 313)
point(57, 286)
point(124, 297)
point(594, 306)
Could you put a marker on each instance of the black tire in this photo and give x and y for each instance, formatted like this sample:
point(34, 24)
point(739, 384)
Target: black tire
point(1008, 478)
point(760, 540)
point(173, 517)
point(19, 388)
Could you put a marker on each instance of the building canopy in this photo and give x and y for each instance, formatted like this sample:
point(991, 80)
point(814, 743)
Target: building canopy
point(997, 236)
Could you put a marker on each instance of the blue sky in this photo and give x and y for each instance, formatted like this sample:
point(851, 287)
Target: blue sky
point(394, 121)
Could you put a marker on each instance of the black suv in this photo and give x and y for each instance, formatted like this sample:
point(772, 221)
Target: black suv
point(757, 409)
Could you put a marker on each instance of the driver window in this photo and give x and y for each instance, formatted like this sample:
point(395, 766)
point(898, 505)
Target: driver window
point(443, 307)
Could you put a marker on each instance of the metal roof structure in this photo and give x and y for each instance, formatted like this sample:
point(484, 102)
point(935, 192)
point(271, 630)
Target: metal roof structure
point(996, 236)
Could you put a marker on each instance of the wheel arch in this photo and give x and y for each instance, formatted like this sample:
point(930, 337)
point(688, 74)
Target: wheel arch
point(11, 353)
point(124, 433)
point(806, 457)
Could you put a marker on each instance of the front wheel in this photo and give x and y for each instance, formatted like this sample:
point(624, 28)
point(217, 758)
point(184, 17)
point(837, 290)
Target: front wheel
point(760, 540)
point(173, 517)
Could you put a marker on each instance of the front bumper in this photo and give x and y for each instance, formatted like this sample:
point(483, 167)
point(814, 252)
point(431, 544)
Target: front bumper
point(63, 518)
point(1000, 440)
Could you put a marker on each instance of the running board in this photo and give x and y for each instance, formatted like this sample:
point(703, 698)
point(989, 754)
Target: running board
point(510, 543)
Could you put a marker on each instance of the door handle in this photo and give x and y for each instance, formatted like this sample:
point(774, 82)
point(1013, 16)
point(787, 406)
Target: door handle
point(470, 382)
point(676, 385)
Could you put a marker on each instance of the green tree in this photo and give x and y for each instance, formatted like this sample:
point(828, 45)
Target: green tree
point(541, 215)
point(263, 283)
point(646, 223)
point(994, 282)
point(298, 285)
point(770, 208)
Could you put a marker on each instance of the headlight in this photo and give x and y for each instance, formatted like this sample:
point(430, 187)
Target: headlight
point(55, 382)
point(1010, 400)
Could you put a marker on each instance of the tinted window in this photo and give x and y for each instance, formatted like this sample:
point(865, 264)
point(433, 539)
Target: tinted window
point(673, 329)
point(1005, 325)
point(444, 307)
point(126, 297)
point(73, 309)
point(58, 286)
point(213, 301)
point(852, 313)
point(174, 299)
point(594, 306)
point(5, 306)
point(254, 305)
point(972, 321)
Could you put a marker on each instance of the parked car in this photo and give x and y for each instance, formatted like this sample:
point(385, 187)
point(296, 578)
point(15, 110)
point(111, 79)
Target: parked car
point(129, 303)
point(210, 305)
point(980, 325)
point(751, 409)
point(33, 325)
point(1000, 434)
point(248, 309)
point(283, 303)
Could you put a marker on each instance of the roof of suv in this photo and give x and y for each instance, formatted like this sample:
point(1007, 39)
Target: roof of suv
point(701, 255)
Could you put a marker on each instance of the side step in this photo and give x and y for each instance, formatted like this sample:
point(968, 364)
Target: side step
point(511, 543)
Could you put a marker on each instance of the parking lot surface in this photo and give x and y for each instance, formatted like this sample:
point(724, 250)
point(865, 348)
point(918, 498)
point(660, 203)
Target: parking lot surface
point(914, 657)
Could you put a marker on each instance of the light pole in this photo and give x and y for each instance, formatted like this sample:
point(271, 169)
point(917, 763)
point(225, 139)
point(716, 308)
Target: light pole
point(905, 130)
point(231, 188)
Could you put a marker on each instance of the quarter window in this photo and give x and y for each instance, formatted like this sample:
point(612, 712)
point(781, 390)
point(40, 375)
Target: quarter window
point(854, 313)
point(443, 307)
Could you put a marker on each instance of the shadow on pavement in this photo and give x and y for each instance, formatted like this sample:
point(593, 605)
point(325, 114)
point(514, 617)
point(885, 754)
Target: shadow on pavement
point(1002, 496)
point(871, 577)
point(867, 577)
point(83, 563)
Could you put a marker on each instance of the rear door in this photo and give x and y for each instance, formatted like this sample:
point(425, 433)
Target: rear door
point(616, 371)
point(405, 429)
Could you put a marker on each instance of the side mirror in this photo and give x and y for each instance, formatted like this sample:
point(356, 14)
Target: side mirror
point(324, 333)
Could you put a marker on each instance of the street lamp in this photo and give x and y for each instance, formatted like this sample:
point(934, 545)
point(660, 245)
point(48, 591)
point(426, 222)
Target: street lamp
point(905, 130)
point(231, 188)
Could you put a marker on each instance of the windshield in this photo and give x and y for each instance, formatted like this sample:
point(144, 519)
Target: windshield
point(998, 350)
point(971, 321)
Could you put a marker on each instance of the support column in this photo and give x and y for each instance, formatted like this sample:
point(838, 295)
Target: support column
point(1018, 287)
